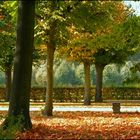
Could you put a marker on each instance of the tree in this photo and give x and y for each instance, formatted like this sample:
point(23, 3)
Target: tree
point(20, 95)
point(107, 37)
point(116, 47)
point(50, 34)
point(74, 52)
point(90, 20)
point(52, 29)
point(7, 43)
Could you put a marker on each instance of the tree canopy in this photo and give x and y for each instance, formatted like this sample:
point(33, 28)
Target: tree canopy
point(7, 35)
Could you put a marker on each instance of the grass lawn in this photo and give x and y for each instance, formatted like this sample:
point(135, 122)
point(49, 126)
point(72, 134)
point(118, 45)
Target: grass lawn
point(83, 125)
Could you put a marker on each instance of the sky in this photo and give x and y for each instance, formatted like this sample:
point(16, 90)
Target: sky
point(135, 6)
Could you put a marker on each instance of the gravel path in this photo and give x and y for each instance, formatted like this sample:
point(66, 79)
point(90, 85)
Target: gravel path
point(82, 108)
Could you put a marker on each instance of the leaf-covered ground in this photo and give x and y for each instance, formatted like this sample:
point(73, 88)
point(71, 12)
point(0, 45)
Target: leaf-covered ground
point(84, 125)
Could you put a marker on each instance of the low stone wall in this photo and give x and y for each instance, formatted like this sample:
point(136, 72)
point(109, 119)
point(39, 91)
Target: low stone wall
point(76, 94)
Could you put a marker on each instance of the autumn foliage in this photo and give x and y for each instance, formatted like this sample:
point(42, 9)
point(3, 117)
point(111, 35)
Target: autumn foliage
point(81, 46)
point(84, 125)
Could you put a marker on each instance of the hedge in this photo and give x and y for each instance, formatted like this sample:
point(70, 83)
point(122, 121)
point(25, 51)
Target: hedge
point(75, 94)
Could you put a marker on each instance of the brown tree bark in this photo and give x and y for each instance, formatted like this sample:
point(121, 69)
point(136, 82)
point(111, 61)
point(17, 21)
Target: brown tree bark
point(87, 95)
point(20, 94)
point(50, 58)
point(8, 82)
point(49, 92)
point(99, 76)
point(51, 45)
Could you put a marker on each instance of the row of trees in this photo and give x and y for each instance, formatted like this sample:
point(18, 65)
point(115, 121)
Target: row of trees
point(93, 41)
point(102, 44)
point(99, 32)
point(72, 74)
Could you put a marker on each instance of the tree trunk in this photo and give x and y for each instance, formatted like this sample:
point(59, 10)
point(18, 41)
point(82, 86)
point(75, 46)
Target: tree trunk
point(51, 45)
point(99, 76)
point(49, 91)
point(8, 82)
point(20, 95)
point(87, 96)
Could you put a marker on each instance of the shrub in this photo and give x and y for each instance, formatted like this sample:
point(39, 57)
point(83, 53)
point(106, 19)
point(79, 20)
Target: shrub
point(75, 94)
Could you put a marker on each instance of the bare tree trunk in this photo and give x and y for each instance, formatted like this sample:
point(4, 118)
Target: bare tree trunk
point(50, 58)
point(20, 95)
point(87, 96)
point(49, 91)
point(8, 82)
point(99, 77)
point(51, 45)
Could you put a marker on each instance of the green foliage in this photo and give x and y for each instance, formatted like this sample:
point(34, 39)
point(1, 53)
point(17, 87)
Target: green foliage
point(39, 75)
point(89, 16)
point(112, 36)
point(72, 74)
point(47, 14)
point(134, 77)
point(7, 34)
point(79, 71)
point(112, 76)
point(122, 42)
point(2, 79)
point(118, 75)
point(65, 75)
